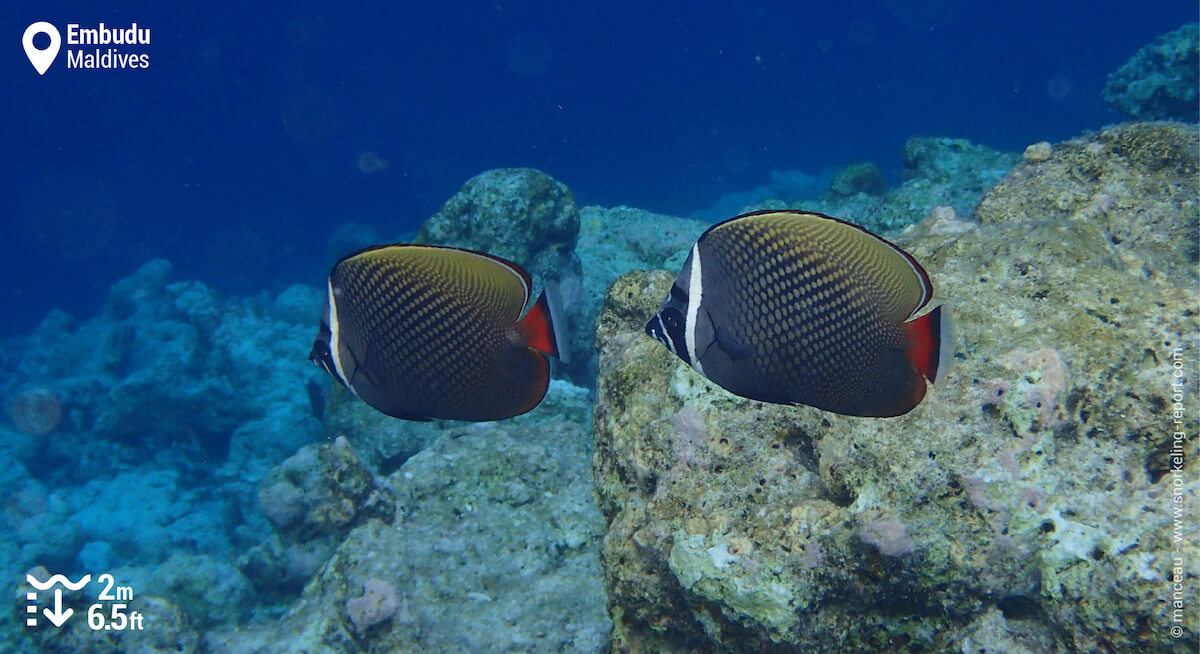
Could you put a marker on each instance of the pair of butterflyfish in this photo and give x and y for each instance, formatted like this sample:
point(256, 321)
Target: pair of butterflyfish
point(787, 307)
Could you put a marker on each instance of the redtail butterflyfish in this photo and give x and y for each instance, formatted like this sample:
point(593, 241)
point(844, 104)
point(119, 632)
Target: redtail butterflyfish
point(422, 332)
point(793, 307)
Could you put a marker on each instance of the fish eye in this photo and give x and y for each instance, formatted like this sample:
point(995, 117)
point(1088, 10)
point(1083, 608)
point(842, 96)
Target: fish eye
point(320, 350)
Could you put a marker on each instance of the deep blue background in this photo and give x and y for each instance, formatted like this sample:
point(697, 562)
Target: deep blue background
point(236, 154)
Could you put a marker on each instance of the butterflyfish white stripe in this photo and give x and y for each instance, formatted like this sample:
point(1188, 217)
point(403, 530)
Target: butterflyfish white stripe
point(335, 350)
point(695, 294)
point(665, 337)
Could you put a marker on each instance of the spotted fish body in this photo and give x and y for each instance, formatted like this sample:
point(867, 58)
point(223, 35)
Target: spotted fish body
point(799, 308)
point(422, 332)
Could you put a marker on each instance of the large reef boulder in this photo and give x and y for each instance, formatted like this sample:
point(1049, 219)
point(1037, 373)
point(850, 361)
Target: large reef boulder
point(1136, 182)
point(1025, 506)
point(529, 218)
point(312, 500)
point(520, 214)
point(1160, 81)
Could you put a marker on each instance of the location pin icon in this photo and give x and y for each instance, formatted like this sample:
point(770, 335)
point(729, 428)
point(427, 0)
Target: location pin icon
point(41, 59)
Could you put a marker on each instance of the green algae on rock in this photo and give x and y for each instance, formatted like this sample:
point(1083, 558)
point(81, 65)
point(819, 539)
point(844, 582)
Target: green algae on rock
point(1026, 502)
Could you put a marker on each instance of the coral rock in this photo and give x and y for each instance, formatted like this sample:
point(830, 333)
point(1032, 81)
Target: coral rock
point(1160, 81)
point(978, 515)
point(858, 178)
point(1040, 151)
point(378, 603)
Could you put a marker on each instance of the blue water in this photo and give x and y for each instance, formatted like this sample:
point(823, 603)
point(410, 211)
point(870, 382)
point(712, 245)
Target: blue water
point(235, 154)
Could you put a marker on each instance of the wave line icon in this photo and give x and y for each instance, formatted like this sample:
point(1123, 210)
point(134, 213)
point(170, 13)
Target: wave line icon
point(57, 579)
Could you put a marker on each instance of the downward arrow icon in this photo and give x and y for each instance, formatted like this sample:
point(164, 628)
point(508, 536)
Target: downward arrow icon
point(58, 616)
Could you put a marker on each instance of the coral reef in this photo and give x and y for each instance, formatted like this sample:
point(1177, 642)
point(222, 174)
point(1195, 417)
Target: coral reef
point(945, 171)
point(182, 441)
point(1160, 81)
point(494, 547)
point(532, 219)
point(1025, 505)
point(937, 172)
point(312, 500)
point(154, 367)
point(138, 436)
point(219, 538)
